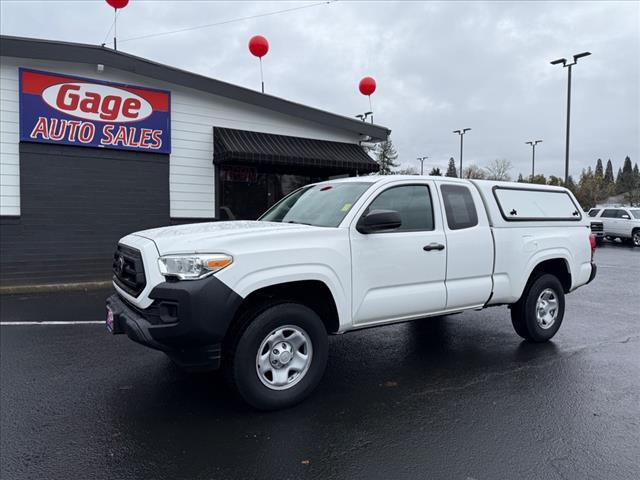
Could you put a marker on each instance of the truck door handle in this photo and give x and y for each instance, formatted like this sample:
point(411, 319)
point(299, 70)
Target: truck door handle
point(433, 246)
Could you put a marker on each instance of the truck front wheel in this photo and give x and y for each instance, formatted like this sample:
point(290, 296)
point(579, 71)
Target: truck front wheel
point(278, 356)
point(538, 314)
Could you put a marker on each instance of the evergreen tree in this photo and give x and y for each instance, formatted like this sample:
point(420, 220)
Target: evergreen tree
point(571, 185)
point(599, 174)
point(435, 171)
point(520, 178)
point(539, 179)
point(451, 169)
point(633, 196)
point(618, 186)
point(386, 156)
point(608, 173)
point(627, 178)
point(553, 180)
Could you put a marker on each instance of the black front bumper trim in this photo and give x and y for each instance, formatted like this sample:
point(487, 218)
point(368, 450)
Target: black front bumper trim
point(204, 309)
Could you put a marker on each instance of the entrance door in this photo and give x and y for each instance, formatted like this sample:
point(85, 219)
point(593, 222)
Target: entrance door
point(394, 277)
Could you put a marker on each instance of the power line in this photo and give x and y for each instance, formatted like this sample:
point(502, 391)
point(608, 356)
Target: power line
point(225, 22)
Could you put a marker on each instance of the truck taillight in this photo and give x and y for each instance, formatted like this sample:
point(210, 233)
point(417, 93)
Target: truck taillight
point(592, 241)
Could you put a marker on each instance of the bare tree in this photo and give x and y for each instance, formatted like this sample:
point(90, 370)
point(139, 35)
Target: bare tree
point(498, 169)
point(405, 171)
point(475, 172)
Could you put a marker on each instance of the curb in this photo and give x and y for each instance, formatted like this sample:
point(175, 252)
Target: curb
point(55, 287)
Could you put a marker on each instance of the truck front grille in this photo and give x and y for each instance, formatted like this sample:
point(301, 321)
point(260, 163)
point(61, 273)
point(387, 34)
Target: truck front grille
point(128, 270)
point(597, 227)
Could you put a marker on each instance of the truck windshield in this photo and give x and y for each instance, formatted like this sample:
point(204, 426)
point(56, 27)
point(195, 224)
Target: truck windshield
point(635, 213)
point(323, 205)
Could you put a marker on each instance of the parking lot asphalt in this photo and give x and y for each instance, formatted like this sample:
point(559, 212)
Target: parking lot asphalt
point(453, 398)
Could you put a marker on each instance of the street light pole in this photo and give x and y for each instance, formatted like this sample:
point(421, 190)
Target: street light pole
point(564, 63)
point(364, 116)
point(421, 160)
point(533, 144)
point(461, 133)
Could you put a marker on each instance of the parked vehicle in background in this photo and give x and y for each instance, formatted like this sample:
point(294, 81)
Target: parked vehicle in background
point(621, 223)
point(260, 297)
point(597, 228)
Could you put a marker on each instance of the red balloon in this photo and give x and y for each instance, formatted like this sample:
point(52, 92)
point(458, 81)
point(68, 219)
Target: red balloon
point(367, 86)
point(118, 3)
point(258, 46)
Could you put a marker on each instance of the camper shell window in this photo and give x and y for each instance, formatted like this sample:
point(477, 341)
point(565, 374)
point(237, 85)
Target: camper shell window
point(531, 204)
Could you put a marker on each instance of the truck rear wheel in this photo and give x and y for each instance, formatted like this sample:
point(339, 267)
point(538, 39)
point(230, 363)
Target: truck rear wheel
point(538, 314)
point(278, 356)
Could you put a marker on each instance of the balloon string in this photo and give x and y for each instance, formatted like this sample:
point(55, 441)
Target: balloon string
point(370, 108)
point(261, 76)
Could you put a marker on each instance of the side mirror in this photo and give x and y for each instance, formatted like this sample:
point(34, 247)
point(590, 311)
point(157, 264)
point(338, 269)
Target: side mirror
point(625, 216)
point(378, 221)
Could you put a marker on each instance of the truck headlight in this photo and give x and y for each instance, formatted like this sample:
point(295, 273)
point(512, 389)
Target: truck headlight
point(193, 267)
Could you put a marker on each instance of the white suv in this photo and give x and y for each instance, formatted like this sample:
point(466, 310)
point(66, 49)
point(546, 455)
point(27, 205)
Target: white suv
point(622, 223)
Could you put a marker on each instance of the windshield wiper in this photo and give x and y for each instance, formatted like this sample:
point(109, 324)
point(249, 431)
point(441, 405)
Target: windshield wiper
point(298, 223)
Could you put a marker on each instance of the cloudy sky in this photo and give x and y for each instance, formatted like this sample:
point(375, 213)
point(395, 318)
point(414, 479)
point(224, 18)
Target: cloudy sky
point(439, 66)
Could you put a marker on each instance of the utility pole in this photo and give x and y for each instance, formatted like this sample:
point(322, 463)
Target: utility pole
point(461, 133)
point(421, 160)
point(564, 63)
point(533, 144)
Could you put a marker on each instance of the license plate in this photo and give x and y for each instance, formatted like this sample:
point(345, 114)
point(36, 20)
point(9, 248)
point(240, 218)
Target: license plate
point(109, 321)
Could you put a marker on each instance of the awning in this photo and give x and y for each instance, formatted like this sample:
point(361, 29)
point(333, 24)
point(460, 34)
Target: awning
point(241, 146)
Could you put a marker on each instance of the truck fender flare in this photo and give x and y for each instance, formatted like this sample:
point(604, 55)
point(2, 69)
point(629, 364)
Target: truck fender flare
point(542, 256)
point(267, 277)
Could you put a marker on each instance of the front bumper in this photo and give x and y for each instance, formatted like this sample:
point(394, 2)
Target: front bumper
point(188, 320)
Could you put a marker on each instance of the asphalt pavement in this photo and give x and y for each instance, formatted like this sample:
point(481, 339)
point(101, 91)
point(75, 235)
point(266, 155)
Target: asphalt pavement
point(453, 398)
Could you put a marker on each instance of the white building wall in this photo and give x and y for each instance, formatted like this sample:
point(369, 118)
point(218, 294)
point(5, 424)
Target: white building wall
point(193, 116)
point(9, 138)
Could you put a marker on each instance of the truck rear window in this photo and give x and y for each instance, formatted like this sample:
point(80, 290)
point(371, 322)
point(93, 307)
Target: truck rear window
point(530, 204)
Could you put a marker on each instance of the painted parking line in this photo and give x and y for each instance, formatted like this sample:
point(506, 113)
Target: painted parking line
point(87, 322)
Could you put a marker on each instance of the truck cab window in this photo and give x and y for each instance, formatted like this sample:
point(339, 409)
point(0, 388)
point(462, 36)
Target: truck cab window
point(412, 202)
point(459, 207)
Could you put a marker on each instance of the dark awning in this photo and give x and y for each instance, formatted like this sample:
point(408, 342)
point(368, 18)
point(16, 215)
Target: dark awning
point(241, 146)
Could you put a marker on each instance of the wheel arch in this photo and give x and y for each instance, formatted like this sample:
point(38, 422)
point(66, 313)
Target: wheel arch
point(314, 294)
point(558, 265)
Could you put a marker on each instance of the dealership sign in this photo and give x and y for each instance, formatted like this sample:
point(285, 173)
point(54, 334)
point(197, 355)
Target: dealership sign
point(79, 111)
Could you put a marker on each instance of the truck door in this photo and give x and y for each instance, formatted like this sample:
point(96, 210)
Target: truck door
point(470, 247)
point(400, 273)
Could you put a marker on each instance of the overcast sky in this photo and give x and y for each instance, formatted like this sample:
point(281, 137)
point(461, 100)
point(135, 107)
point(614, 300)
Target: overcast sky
point(439, 66)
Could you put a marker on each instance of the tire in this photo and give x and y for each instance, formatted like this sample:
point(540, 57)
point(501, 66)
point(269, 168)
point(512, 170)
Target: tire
point(281, 377)
point(524, 313)
point(635, 238)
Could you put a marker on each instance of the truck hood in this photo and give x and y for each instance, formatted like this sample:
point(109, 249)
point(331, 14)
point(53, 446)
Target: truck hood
point(216, 237)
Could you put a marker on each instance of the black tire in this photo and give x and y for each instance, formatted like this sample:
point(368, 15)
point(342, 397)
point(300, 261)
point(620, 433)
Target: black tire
point(523, 312)
point(635, 238)
point(255, 327)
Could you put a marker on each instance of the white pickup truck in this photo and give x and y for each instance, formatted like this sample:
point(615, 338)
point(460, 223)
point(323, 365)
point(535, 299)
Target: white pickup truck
point(259, 298)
